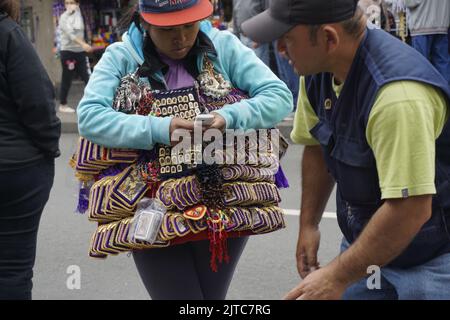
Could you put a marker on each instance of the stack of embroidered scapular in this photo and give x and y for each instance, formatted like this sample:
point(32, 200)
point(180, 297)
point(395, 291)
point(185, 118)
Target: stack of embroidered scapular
point(237, 197)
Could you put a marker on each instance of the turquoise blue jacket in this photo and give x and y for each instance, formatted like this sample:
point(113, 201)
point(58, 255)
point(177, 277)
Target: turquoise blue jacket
point(271, 100)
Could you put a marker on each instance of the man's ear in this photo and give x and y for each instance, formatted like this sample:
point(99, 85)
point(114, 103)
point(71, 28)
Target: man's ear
point(332, 39)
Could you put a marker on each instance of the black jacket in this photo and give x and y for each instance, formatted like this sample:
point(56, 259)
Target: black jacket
point(29, 127)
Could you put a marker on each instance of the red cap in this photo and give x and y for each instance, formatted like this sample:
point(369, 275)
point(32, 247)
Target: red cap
point(175, 16)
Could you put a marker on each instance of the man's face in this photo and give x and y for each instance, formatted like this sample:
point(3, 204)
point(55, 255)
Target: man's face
point(306, 57)
point(174, 42)
point(71, 5)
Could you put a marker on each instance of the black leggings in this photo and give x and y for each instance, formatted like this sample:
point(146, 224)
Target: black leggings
point(72, 62)
point(183, 272)
point(23, 195)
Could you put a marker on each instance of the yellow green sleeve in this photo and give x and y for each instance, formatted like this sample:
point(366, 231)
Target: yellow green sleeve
point(403, 126)
point(305, 119)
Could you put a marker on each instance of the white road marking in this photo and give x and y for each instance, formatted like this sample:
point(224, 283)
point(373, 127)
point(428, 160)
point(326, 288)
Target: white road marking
point(328, 215)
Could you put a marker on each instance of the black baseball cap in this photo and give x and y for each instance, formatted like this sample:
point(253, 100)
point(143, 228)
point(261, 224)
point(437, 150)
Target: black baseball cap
point(283, 15)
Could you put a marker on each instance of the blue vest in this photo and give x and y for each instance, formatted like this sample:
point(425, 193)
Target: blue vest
point(341, 131)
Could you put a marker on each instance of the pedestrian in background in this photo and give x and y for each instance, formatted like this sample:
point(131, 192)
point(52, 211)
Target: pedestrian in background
point(429, 22)
point(29, 136)
point(246, 9)
point(73, 51)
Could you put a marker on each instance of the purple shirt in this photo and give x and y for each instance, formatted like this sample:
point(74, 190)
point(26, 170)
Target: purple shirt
point(177, 76)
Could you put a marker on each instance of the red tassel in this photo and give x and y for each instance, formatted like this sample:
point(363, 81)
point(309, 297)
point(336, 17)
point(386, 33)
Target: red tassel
point(217, 243)
point(212, 249)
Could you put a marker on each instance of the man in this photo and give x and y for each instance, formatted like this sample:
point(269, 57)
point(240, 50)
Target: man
point(373, 115)
point(429, 22)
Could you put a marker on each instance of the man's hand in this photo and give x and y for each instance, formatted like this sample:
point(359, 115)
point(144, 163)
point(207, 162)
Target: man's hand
point(307, 248)
point(317, 185)
point(318, 285)
point(178, 124)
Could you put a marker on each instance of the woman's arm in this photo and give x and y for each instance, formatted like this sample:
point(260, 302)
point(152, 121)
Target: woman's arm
point(101, 124)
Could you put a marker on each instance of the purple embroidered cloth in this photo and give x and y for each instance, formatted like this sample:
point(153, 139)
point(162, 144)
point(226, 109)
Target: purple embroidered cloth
point(280, 179)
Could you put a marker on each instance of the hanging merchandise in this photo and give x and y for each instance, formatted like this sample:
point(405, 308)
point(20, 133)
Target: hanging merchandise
point(402, 29)
point(401, 12)
point(108, 15)
point(166, 196)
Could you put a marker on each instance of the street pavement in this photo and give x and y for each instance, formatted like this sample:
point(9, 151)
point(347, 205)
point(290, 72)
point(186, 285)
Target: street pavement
point(266, 270)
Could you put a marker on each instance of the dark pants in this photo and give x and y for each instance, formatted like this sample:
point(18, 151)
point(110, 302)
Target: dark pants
point(23, 195)
point(183, 272)
point(435, 48)
point(72, 63)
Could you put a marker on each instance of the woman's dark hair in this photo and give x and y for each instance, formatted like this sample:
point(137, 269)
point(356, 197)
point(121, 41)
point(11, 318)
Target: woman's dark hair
point(130, 16)
point(11, 8)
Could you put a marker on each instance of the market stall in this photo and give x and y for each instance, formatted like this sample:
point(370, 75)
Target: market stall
point(100, 17)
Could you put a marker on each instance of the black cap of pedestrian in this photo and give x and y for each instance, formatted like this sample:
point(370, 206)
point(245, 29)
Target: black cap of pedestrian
point(283, 15)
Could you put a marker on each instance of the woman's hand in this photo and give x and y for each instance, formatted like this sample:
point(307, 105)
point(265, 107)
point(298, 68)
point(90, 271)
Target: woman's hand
point(87, 48)
point(179, 124)
point(219, 123)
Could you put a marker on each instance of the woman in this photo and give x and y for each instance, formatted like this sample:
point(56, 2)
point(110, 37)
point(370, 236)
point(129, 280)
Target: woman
point(168, 44)
point(29, 136)
point(73, 50)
